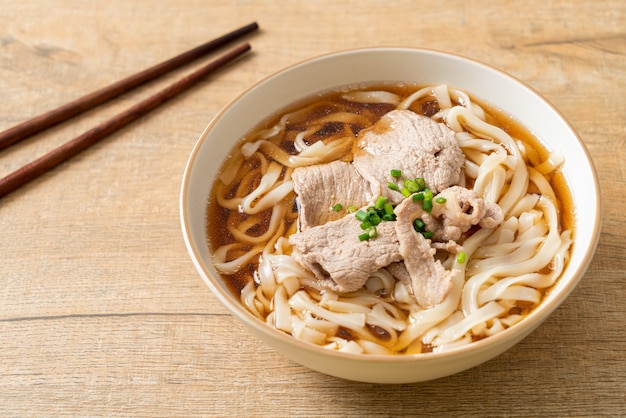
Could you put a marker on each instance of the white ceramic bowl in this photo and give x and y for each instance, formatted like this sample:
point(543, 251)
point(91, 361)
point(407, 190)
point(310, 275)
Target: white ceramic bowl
point(389, 64)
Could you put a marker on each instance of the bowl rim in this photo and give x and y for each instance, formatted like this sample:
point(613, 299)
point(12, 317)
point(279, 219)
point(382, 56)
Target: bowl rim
point(524, 327)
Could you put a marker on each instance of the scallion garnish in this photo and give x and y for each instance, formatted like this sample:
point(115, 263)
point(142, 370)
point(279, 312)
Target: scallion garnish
point(388, 208)
point(461, 257)
point(364, 236)
point(393, 186)
point(396, 173)
point(427, 205)
point(412, 186)
point(361, 215)
point(337, 207)
point(420, 227)
point(366, 225)
point(370, 217)
point(441, 200)
point(380, 202)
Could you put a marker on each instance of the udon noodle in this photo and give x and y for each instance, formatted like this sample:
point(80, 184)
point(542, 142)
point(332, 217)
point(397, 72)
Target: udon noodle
point(507, 271)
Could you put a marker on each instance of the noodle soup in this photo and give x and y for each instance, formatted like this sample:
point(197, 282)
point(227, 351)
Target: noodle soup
point(498, 274)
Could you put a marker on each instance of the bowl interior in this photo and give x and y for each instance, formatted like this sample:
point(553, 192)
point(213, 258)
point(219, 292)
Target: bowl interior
point(381, 65)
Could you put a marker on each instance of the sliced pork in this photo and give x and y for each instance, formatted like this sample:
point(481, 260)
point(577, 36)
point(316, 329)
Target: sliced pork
point(399, 271)
point(338, 259)
point(327, 242)
point(415, 144)
point(321, 186)
point(430, 281)
point(463, 208)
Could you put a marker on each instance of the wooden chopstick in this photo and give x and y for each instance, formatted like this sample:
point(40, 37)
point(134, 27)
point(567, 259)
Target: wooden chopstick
point(39, 166)
point(89, 101)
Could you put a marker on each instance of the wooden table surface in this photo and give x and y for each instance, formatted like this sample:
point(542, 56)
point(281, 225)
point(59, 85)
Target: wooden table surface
point(101, 310)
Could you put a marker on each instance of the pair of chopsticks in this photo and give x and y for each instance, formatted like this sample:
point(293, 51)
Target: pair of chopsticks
point(30, 127)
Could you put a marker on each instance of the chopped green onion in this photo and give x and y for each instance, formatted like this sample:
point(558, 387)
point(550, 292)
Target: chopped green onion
point(441, 200)
point(427, 205)
point(361, 215)
point(369, 234)
point(380, 202)
point(412, 186)
point(418, 196)
point(393, 186)
point(388, 208)
point(461, 257)
point(337, 207)
point(427, 234)
point(396, 173)
point(364, 236)
point(405, 192)
point(351, 208)
point(373, 216)
point(421, 183)
point(419, 224)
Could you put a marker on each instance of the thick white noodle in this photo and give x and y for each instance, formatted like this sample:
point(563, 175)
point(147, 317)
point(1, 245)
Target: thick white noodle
point(510, 264)
point(442, 95)
point(460, 119)
point(406, 103)
point(239, 231)
point(537, 261)
point(486, 313)
point(268, 193)
point(234, 265)
point(372, 97)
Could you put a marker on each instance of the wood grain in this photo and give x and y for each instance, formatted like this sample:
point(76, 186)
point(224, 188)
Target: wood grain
point(101, 310)
point(74, 146)
point(95, 98)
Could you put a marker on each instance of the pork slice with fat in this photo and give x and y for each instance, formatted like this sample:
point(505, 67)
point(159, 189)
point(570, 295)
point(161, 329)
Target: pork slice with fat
point(319, 187)
point(430, 281)
point(339, 260)
point(463, 208)
point(415, 144)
